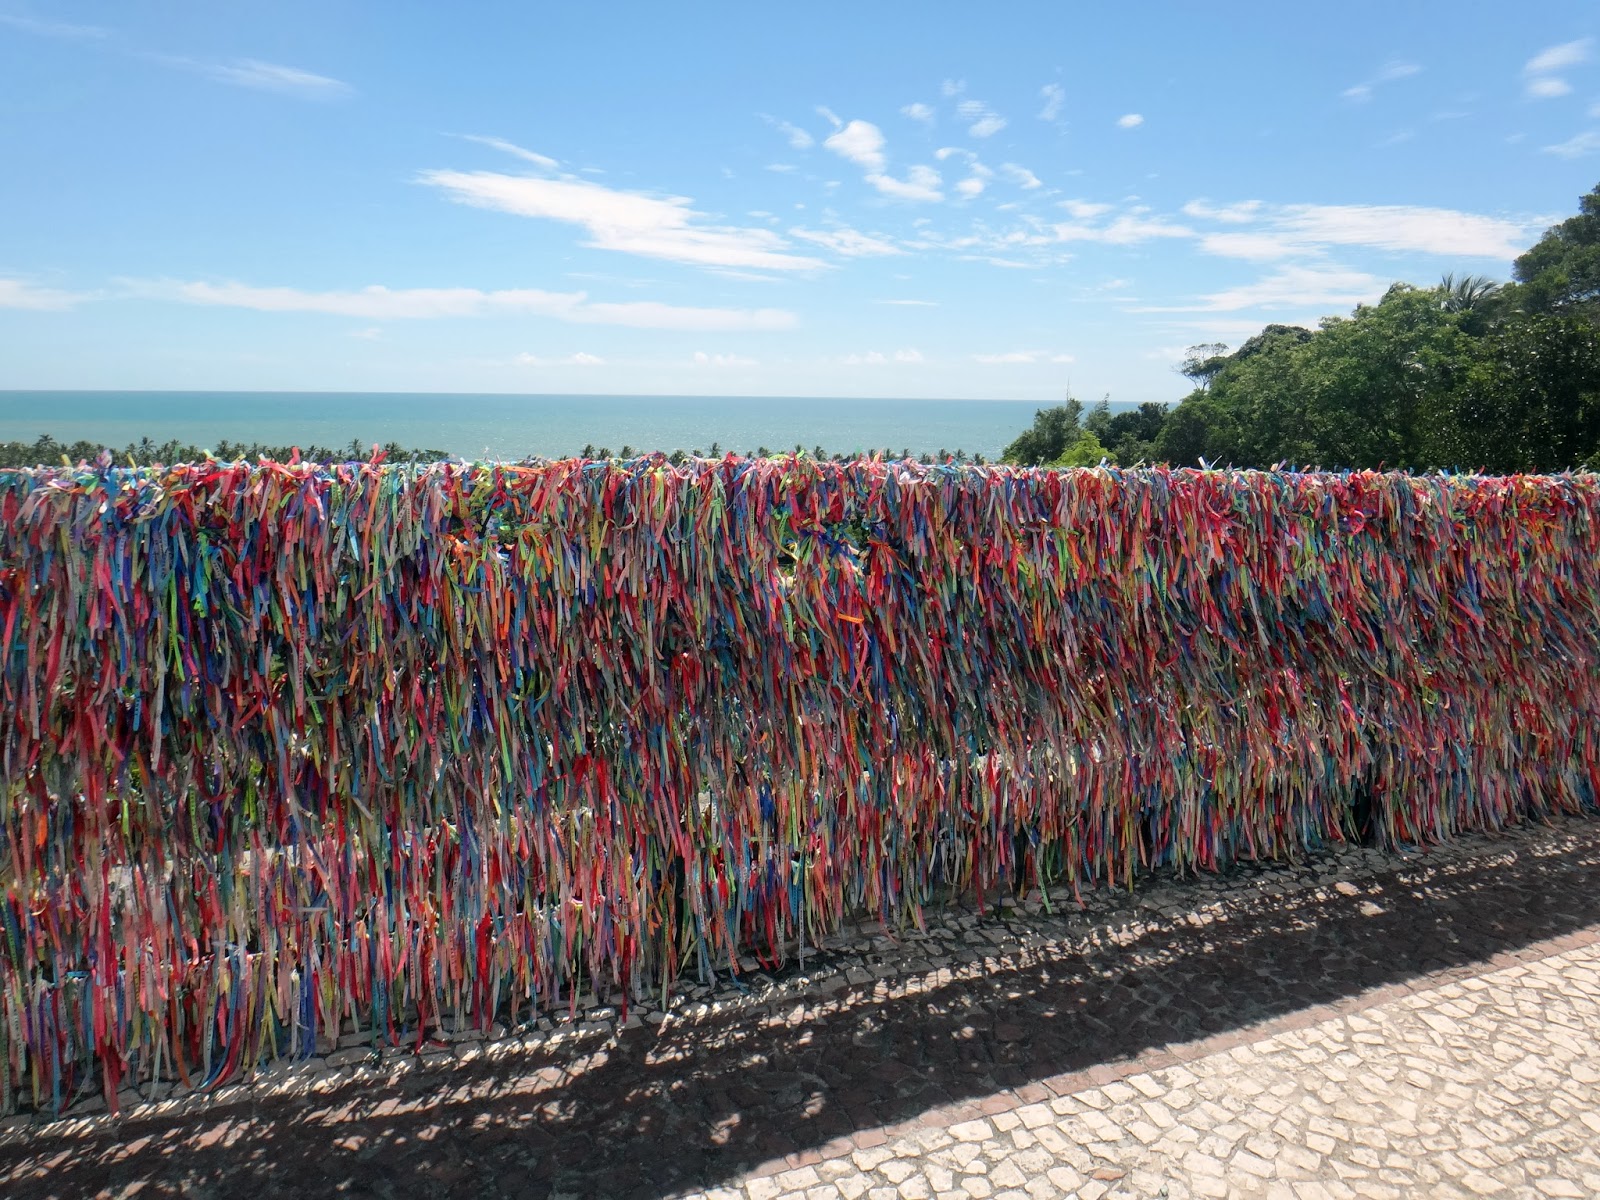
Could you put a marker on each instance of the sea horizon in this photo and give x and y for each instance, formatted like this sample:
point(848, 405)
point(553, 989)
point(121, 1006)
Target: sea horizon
point(511, 425)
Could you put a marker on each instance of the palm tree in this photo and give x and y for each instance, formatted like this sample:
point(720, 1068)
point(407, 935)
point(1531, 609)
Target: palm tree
point(1460, 295)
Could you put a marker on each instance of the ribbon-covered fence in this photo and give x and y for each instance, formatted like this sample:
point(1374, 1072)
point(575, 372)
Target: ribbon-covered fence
point(289, 746)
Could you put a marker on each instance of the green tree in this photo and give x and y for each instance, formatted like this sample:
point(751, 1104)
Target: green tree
point(1086, 451)
point(1052, 431)
point(1561, 271)
point(1528, 399)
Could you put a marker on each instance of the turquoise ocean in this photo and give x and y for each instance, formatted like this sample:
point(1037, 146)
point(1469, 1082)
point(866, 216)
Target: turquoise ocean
point(511, 427)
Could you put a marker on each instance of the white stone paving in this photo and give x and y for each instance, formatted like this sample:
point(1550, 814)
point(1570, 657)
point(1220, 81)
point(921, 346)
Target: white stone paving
point(1488, 1087)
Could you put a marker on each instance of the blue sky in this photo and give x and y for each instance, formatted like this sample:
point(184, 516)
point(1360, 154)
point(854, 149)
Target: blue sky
point(848, 200)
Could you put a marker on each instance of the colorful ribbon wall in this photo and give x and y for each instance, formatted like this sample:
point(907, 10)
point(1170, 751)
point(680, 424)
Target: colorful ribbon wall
point(285, 746)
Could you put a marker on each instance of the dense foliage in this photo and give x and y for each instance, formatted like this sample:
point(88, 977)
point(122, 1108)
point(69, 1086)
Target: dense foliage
point(1466, 375)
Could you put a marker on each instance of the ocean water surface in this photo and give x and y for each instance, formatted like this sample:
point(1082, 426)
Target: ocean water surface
point(511, 427)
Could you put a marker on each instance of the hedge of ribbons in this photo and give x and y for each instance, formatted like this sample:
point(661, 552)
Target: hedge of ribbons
point(290, 747)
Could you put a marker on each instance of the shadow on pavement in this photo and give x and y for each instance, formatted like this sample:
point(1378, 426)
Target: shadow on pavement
point(698, 1104)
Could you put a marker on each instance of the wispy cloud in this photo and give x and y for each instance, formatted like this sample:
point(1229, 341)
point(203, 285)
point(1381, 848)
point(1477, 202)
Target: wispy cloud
point(876, 358)
point(1257, 247)
point(1290, 229)
point(920, 184)
point(18, 293)
point(370, 334)
point(382, 303)
point(848, 242)
point(513, 149)
point(1402, 227)
point(1019, 357)
point(918, 112)
point(1391, 71)
point(1020, 176)
point(1230, 214)
point(1289, 287)
point(56, 29)
point(985, 121)
point(262, 77)
point(1128, 229)
point(911, 303)
point(1084, 210)
point(1054, 97)
point(1541, 73)
point(1580, 146)
point(1130, 120)
point(723, 361)
point(952, 87)
point(798, 138)
point(628, 222)
point(580, 359)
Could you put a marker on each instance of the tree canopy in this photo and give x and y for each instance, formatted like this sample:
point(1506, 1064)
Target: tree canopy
point(1468, 374)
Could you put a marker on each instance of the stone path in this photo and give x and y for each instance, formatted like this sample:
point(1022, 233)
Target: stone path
point(1489, 1087)
point(1350, 1024)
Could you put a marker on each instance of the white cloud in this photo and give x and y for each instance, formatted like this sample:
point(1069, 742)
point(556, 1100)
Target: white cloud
point(267, 77)
point(1388, 73)
point(918, 112)
point(848, 242)
point(1130, 120)
point(970, 187)
point(1127, 230)
point(1254, 246)
point(630, 222)
point(381, 303)
point(60, 29)
point(780, 168)
point(921, 183)
point(1020, 176)
point(1402, 227)
point(1540, 71)
point(1576, 147)
point(798, 138)
point(1017, 357)
point(512, 148)
point(371, 334)
point(985, 121)
point(702, 359)
point(1231, 214)
point(16, 293)
point(1054, 96)
point(1548, 88)
point(953, 87)
point(1083, 210)
point(861, 142)
point(572, 360)
point(1305, 228)
point(828, 115)
point(1559, 58)
point(1291, 287)
point(876, 358)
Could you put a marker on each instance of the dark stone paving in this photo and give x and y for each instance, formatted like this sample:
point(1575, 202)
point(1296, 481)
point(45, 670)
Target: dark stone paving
point(975, 1007)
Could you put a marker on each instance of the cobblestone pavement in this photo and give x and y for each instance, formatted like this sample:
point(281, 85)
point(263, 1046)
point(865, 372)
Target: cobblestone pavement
point(1489, 1087)
point(1360, 1024)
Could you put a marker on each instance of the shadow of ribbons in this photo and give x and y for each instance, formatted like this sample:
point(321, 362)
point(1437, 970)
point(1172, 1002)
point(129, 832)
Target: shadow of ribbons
point(700, 1103)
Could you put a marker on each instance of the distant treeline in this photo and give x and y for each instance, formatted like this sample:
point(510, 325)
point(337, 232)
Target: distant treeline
point(46, 451)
